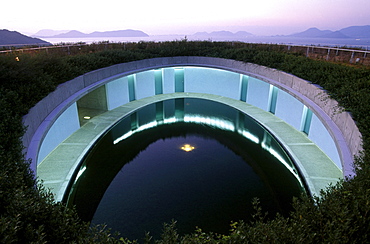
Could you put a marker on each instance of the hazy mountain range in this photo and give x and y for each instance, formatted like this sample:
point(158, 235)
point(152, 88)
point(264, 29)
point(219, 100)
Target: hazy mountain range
point(78, 34)
point(355, 32)
point(13, 38)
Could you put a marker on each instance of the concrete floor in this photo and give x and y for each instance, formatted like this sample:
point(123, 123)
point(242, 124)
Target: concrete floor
point(58, 167)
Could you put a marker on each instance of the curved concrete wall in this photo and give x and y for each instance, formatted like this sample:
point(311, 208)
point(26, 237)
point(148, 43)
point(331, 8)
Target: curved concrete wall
point(298, 102)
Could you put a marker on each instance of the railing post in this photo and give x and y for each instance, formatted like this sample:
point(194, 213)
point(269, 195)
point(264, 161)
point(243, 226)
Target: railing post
point(352, 56)
point(328, 55)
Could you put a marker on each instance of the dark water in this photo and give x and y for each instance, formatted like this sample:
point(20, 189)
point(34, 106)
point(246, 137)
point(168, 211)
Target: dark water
point(137, 176)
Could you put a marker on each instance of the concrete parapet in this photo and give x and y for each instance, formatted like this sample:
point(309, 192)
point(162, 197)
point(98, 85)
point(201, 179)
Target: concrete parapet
point(286, 79)
point(91, 77)
point(349, 129)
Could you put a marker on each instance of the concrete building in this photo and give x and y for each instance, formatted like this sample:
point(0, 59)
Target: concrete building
point(321, 138)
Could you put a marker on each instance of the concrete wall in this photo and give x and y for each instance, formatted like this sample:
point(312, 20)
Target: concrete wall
point(283, 94)
point(117, 93)
point(168, 80)
point(215, 81)
point(289, 109)
point(258, 93)
point(318, 133)
point(66, 124)
point(144, 84)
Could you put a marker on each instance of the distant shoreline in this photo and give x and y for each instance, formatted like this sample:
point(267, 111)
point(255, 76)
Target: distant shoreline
point(287, 40)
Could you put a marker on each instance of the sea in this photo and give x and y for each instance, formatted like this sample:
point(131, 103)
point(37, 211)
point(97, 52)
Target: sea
point(285, 40)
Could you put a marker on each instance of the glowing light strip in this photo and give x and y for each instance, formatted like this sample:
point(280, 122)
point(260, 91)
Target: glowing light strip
point(80, 173)
point(249, 136)
point(121, 138)
point(281, 159)
point(141, 128)
point(171, 120)
point(211, 121)
point(147, 126)
point(197, 119)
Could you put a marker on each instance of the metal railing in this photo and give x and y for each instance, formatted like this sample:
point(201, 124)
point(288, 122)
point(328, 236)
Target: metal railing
point(323, 52)
point(24, 48)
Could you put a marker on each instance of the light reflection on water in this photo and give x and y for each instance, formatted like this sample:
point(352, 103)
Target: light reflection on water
point(137, 176)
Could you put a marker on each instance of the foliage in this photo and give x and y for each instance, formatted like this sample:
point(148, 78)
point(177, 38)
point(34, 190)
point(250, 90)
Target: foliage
point(29, 214)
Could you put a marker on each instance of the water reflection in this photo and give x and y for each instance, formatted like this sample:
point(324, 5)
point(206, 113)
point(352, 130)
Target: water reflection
point(238, 122)
point(187, 148)
point(135, 176)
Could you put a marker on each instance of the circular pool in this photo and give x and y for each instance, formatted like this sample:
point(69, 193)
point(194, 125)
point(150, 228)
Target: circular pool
point(192, 160)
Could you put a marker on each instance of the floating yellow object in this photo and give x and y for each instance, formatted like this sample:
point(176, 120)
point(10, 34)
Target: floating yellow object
point(187, 148)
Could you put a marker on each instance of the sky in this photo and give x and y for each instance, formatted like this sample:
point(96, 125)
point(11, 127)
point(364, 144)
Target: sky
point(162, 17)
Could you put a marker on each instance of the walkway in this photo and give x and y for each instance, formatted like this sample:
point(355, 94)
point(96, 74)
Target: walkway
point(58, 167)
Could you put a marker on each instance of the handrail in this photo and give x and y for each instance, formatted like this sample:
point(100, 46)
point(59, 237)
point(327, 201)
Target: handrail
point(38, 48)
point(333, 48)
point(309, 49)
point(85, 44)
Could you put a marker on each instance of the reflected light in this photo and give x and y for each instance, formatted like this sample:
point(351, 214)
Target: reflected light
point(141, 128)
point(197, 119)
point(211, 121)
point(249, 136)
point(80, 173)
point(281, 159)
point(187, 148)
point(87, 117)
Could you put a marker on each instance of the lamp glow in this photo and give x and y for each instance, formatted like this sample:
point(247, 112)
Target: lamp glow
point(187, 148)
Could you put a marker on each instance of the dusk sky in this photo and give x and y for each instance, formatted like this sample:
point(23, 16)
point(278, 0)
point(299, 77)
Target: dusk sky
point(260, 17)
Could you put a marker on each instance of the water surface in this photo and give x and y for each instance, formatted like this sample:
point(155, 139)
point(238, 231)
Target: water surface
point(195, 161)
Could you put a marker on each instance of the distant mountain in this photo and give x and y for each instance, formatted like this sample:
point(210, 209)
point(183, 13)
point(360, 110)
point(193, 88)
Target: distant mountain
point(335, 34)
point(48, 32)
point(243, 34)
point(71, 34)
point(223, 34)
point(357, 31)
point(13, 38)
point(118, 33)
point(312, 32)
